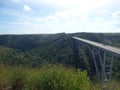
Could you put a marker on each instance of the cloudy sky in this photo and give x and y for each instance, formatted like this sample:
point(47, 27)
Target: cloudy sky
point(55, 16)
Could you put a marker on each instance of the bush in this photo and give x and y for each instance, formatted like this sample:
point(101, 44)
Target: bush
point(48, 77)
point(17, 78)
point(53, 77)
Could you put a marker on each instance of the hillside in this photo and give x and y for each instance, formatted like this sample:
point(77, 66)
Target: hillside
point(35, 50)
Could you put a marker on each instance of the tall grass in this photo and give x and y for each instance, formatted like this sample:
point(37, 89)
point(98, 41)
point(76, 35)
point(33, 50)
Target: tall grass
point(112, 85)
point(48, 77)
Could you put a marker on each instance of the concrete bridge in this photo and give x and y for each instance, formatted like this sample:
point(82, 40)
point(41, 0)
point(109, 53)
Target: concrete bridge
point(104, 53)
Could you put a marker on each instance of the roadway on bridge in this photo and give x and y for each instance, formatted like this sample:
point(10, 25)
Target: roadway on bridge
point(100, 45)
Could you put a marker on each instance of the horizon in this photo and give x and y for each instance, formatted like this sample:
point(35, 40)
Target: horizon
point(54, 16)
point(64, 33)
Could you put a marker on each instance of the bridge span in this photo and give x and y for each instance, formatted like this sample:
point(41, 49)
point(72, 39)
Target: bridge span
point(111, 49)
point(100, 52)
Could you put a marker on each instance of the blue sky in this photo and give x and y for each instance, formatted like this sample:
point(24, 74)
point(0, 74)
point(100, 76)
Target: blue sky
point(55, 16)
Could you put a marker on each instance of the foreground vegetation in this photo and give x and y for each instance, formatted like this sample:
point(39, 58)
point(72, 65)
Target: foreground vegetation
point(48, 77)
point(112, 85)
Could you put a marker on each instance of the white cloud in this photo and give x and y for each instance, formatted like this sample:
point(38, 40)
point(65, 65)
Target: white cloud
point(64, 17)
point(70, 10)
point(101, 11)
point(61, 14)
point(68, 16)
point(81, 5)
point(38, 19)
point(101, 27)
point(51, 19)
point(26, 8)
point(84, 18)
point(72, 3)
point(116, 23)
point(98, 19)
point(15, 1)
point(116, 14)
point(71, 22)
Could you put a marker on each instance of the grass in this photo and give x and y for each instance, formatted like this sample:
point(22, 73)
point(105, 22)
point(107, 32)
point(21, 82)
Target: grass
point(112, 85)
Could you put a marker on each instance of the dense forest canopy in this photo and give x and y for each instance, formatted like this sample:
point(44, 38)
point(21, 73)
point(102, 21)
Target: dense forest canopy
point(35, 50)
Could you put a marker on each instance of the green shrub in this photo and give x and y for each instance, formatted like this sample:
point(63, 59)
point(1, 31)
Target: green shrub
point(3, 77)
point(112, 85)
point(48, 77)
point(17, 78)
point(53, 77)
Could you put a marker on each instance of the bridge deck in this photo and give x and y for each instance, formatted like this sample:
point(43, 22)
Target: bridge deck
point(114, 50)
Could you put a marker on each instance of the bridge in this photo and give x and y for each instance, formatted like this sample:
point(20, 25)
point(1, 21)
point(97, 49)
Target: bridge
point(100, 52)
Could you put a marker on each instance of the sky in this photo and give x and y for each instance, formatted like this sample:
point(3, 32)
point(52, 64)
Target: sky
point(58, 16)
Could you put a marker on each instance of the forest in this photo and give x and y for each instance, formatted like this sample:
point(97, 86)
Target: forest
point(37, 59)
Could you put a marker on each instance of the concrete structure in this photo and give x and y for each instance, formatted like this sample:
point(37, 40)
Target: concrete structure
point(104, 53)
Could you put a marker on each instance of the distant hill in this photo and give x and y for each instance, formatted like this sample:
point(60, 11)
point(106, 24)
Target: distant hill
point(35, 50)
